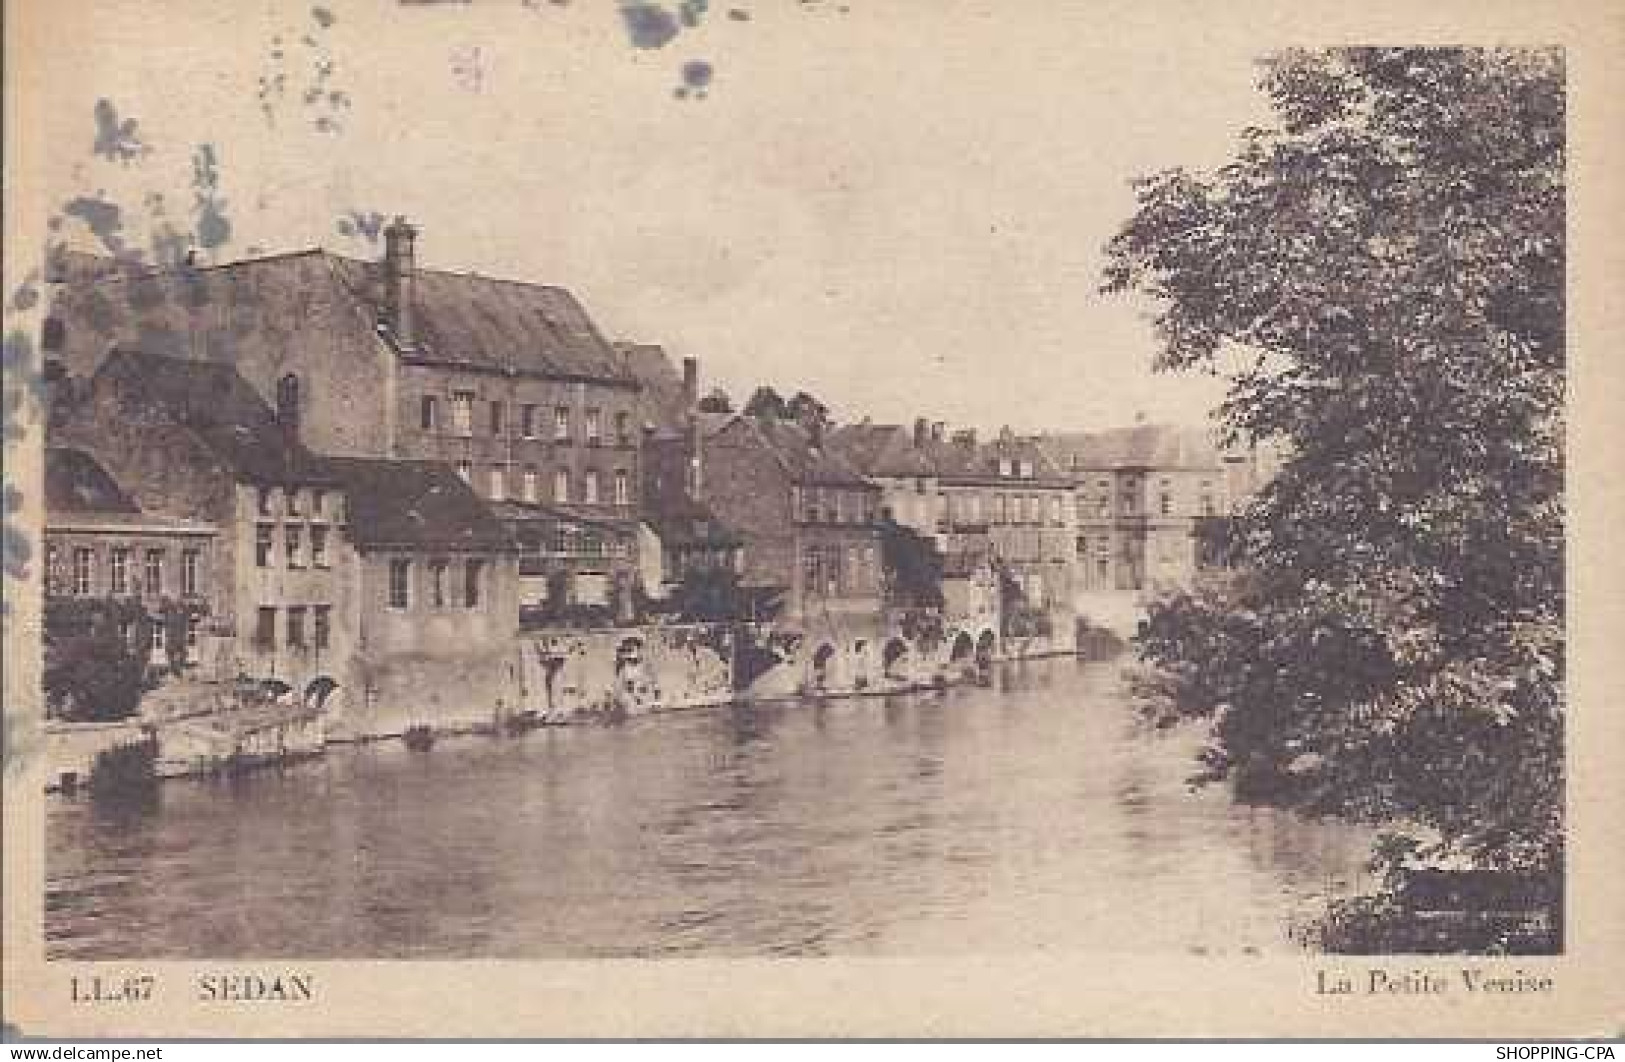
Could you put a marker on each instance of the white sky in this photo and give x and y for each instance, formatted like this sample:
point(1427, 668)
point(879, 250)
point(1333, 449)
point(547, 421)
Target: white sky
point(900, 207)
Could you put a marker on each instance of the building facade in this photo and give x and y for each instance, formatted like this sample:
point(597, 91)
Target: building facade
point(1141, 496)
point(509, 383)
point(806, 516)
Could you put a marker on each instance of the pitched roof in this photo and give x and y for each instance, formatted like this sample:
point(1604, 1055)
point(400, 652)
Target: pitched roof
point(497, 325)
point(1139, 446)
point(463, 319)
point(792, 446)
point(218, 407)
point(414, 503)
point(76, 483)
point(885, 450)
point(660, 404)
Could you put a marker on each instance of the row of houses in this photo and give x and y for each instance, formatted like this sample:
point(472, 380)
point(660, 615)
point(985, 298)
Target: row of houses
point(367, 476)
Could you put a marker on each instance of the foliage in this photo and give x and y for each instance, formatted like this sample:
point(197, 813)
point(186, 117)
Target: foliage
point(1381, 275)
point(717, 595)
point(807, 411)
point(767, 402)
point(125, 772)
point(96, 657)
point(716, 401)
point(912, 565)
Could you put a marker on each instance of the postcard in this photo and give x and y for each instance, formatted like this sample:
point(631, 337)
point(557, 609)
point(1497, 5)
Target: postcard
point(812, 518)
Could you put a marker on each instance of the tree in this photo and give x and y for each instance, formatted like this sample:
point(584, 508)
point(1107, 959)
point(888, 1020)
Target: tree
point(96, 657)
point(766, 402)
point(717, 595)
point(808, 411)
point(912, 566)
point(716, 401)
point(1381, 277)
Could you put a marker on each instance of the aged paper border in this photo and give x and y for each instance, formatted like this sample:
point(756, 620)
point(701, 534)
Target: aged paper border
point(1084, 995)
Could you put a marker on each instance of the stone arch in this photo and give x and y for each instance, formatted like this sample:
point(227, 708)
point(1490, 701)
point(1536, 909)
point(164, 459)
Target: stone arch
point(822, 658)
point(318, 691)
point(986, 645)
point(895, 652)
point(629, 653)
point(964, 647)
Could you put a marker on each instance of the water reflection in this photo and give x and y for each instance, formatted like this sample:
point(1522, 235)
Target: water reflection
point(1032, 815)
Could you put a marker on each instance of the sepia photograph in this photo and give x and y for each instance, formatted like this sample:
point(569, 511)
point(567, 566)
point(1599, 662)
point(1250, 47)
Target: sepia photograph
point(787, 483)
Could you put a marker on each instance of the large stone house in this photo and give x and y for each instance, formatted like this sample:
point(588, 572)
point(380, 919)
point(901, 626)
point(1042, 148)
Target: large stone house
point(384, 591)
point(192, 442)
point(806, 515)
point(510, 383)
point(100, 545)
point(1142, 494)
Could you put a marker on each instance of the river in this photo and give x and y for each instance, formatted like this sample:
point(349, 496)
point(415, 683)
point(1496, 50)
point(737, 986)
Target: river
point(1032, 815)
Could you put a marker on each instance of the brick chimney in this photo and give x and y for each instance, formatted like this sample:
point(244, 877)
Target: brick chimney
point(939, 431)
point(691, 422)
point(399, 268)
point(922, 433)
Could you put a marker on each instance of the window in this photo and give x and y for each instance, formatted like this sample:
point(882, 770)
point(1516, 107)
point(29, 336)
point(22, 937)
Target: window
point(561, 485)
point(155, 573)
point(318, 545)
point(594, 426)
point(53, 568)
point(191, 639)
point(1057, 514)
point(530, 484)
point(287, 401)
point(623, 487)
point(623, 433)
point(189, 573)
point(499, 482)
point(119, 571)
point(263, 497)
point(561, 422)
point(293, 541)
point(1166, 504)
point(84, 570)
point(293, 501)
point(527, 421)
point(318, 501)
point(323, 632)
point(265, 628)
point(400, 589)
point(1004, 467)
point(437, 584)
point(589, 487)
point(262, 545)
point(157, 635)
point(462, 412)
point(465, 471)
point(496, 418)
point(471, 583)
point(429, 413)
point(296, 627)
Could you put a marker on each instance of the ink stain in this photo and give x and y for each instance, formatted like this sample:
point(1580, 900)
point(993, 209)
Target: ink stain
point(648, 25)
point(213, 228)
point(738, 14)
point(103, 218)
point(116, 139)
point(359, 225)
point(18, 551)
point(697, 76)
point(690, 12)
point(324, 18)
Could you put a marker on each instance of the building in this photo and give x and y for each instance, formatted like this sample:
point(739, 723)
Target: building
point(807, 517)
point(510, 383)
point(191, 441)
point(684, 534)
point(100, 545)
point(1142, 493)
point(435, 599)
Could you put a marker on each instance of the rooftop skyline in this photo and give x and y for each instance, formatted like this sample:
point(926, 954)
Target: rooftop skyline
point(924, 238)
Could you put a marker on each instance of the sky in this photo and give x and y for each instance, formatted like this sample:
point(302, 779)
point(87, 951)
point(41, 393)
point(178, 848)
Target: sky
point(898, 206)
